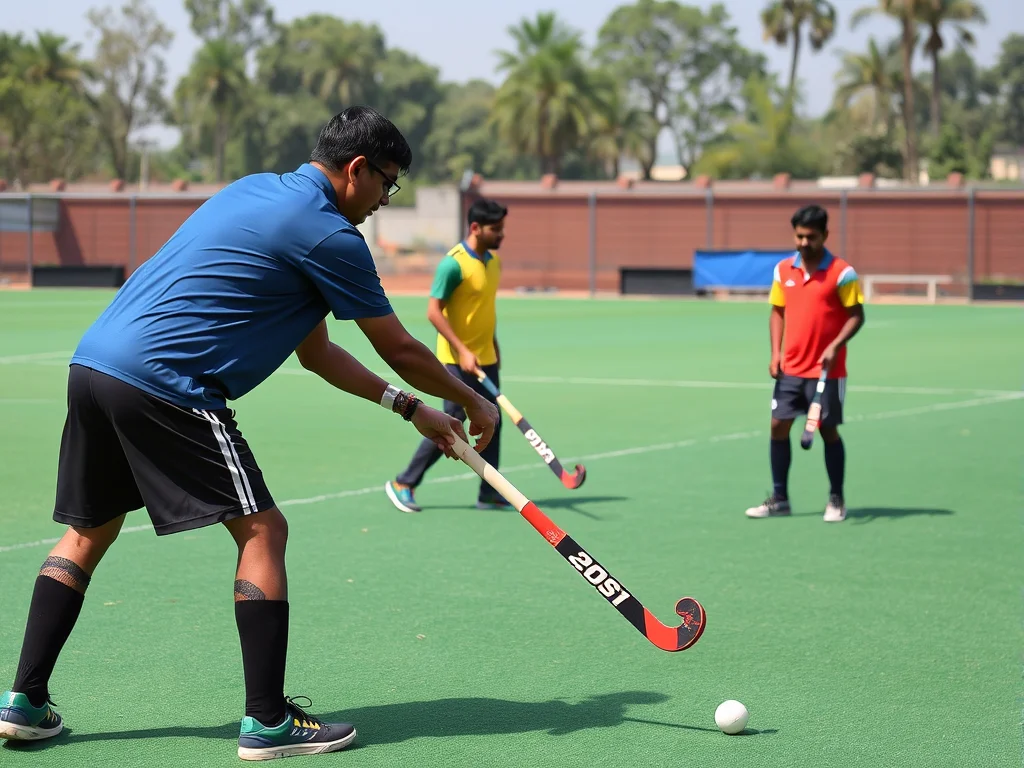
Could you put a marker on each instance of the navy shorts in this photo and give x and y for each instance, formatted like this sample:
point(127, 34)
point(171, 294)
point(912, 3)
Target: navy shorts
point(793, 394)
point(123, 449)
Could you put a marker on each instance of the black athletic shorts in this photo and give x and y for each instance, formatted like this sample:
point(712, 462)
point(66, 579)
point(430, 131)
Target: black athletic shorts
point(123, 449)
point(793, 394)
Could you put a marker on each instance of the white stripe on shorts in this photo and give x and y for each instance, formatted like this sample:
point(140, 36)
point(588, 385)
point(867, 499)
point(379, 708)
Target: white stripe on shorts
point(842, 391)
point(233, 463)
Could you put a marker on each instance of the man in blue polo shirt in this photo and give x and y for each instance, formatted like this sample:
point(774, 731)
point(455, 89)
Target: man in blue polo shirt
point(246, 281)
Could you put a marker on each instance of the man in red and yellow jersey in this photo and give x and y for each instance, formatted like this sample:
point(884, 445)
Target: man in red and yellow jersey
point(817, 307)
point(462, 309)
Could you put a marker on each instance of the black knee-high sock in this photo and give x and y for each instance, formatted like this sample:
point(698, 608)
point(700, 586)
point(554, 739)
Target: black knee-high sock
point(263, 631)
point(835, 465)
point(781, 455)
point(51, 617)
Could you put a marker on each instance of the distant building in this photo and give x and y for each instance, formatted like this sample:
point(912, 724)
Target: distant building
point(666, 168)
point(1007, 164)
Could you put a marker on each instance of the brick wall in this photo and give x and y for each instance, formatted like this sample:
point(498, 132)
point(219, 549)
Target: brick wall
point(548, 239)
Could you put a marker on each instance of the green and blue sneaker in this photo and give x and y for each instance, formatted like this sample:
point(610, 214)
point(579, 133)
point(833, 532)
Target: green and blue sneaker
point(298, 734)
point(401, 497)
point(21, 721)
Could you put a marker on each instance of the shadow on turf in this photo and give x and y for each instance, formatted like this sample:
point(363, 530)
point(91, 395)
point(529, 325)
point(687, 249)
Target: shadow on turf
point(559, 502)
point(867, 514)
point(394, 723)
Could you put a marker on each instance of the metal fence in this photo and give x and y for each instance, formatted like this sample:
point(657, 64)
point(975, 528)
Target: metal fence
point(580, 237)
point(585, 239)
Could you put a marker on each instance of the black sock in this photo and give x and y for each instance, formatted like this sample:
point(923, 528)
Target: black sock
point(781, 454)
point(51, 617)
point(263, 631)
point(835, 465)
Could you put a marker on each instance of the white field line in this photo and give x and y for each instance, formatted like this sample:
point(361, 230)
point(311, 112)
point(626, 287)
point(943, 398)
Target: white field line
point(48, 358)
point(32, 358)
point(578, 380)
point(591, 457)
point(767, 385)
point(1006, 398)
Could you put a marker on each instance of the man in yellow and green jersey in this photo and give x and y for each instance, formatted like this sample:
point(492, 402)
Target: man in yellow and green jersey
point(462, 308)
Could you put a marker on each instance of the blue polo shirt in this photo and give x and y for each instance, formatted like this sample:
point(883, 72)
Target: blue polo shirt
point(235, 290)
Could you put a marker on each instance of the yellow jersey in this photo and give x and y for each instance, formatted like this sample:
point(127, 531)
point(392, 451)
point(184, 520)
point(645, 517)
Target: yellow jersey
point(468, 284)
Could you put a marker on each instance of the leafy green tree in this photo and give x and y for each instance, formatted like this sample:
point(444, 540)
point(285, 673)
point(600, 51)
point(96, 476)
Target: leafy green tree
point(683, 65)
point(463, 138)
point(246, 23)
point(128, 75)
point(544, 106)
point(762, 142)
point(1007, 78)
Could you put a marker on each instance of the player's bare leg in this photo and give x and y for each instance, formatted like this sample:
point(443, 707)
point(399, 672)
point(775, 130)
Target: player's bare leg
point(25, 712)
point(86, 546)
point(273, 726)
point(835, 465)
point(777, 503)
point(261, 539)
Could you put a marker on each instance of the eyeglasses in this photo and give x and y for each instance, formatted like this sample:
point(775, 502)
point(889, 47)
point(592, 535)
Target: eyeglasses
point(390, 185)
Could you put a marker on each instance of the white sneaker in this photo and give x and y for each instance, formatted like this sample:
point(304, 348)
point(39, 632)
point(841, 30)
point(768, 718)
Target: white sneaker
point(835, 510)
point(770, 507)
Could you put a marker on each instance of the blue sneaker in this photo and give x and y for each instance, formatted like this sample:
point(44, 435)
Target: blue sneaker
point(298, 734)
point(20, 721)
point(401, 497)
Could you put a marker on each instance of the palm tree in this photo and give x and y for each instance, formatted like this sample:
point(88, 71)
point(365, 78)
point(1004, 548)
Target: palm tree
point(872, 74)
point(53, 59)
point(35, 79)
point(783, 20)
point(758, 141)
point(218, 81)
point(906, 12)
point(547, 102)
point(935, 14)
point(621, 128)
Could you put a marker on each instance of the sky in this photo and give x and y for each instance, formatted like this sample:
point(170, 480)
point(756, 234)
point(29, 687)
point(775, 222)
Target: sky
point(456, 36)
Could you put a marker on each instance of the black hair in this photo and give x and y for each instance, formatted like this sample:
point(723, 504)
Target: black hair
point(812, 216)
point(361, 131)
point(484, 212)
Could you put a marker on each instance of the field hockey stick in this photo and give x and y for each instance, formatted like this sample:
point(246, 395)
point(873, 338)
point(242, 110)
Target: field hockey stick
point(814, 412)
point(663, 636)
point(571, 480)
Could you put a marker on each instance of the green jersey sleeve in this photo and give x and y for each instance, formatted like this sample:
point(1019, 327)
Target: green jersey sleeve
point(446, 278)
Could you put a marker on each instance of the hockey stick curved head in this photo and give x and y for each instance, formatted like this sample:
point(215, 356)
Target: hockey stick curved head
point(692, 614)
point(573, 480)
point(677, 638)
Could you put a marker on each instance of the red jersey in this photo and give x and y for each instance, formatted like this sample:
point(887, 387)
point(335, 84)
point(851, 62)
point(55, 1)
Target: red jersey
point(815, 310)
